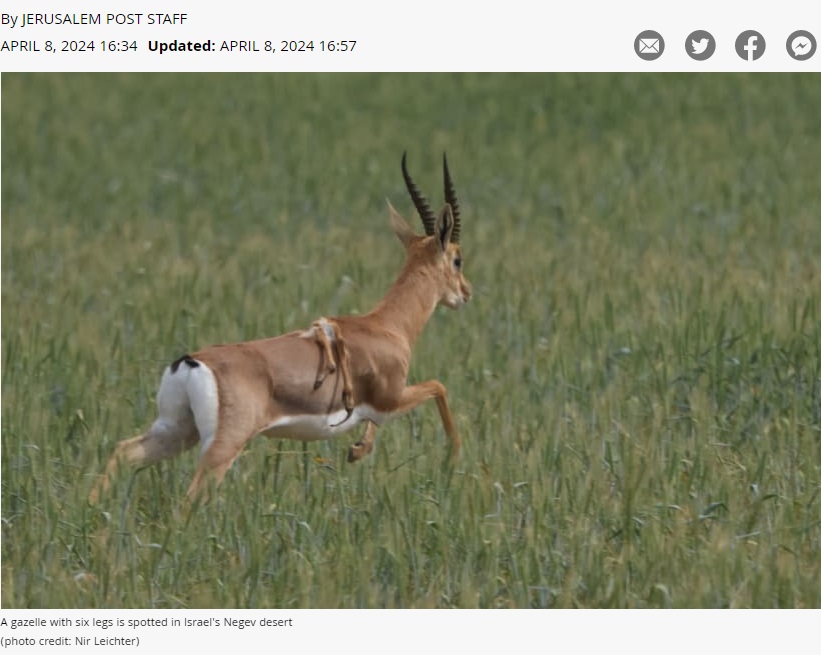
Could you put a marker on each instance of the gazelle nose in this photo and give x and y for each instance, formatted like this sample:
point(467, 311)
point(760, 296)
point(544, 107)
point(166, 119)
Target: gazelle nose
point(466, 290)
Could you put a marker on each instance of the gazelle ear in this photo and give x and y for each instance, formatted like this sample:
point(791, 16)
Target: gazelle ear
point(400, 227)
point(444, 227)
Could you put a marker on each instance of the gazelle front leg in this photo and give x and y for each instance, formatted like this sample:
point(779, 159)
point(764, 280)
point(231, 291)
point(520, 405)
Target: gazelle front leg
point(419, 393)
point(364, 445)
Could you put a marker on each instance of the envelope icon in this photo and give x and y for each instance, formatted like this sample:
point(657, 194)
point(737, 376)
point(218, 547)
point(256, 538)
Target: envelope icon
point(649, 46)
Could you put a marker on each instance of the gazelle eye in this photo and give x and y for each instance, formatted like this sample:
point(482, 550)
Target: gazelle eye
point(457, 263)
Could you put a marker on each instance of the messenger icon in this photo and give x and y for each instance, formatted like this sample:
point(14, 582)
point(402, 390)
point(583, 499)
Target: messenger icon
point(649, 45)
point(801, 45)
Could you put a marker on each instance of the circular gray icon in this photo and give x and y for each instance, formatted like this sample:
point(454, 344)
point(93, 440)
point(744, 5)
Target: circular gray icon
point(700, 45)
point(801, 45)
point(750, 45)
point(649, 45)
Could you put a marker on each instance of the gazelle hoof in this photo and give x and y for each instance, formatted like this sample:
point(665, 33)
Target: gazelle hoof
point(358, 451)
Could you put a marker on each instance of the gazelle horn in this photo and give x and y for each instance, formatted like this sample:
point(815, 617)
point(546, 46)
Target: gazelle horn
point(450, 198)
point(428, 219)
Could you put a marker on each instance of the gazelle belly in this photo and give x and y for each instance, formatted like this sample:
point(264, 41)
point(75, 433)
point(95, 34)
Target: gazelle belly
point(314, 427)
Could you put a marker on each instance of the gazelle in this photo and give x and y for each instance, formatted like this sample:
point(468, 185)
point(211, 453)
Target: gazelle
point(289, 386)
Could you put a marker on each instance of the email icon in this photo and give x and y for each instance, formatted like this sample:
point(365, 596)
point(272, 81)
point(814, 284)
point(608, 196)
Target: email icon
point(649, 45)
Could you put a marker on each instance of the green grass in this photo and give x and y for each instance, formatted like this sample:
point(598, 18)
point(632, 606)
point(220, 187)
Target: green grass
point(637, 380)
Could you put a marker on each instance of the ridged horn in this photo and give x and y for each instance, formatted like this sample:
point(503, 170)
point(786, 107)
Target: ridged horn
point(428, 219)
point(450, 198)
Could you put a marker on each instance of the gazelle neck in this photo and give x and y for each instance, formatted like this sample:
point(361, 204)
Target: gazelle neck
point(409, 303)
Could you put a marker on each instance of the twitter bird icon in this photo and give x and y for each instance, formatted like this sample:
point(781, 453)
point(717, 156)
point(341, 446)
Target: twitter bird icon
point(700, 45)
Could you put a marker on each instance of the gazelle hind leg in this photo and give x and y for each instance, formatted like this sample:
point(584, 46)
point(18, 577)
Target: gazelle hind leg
point(162, 441)
point(218, 454)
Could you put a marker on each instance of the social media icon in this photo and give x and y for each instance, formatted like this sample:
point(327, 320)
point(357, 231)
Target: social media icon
point(649, 45)
point(801, 45)
point(750, 45)
point(700, 45)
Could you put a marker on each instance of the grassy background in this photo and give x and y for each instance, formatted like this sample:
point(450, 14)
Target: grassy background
point(637, 380)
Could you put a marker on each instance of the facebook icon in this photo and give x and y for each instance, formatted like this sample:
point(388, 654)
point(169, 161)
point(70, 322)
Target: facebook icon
point(750, 45)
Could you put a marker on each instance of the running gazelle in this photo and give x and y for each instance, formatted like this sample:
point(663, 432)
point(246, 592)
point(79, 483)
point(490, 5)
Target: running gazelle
point(317, 383)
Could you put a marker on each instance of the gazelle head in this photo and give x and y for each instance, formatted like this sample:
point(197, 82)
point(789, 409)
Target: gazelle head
point(438, 251)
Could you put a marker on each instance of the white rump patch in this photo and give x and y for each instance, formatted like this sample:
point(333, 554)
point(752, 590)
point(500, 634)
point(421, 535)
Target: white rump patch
point(315, 427)
point(186, 394)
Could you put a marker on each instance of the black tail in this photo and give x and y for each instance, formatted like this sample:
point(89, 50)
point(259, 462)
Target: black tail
point(193, 363)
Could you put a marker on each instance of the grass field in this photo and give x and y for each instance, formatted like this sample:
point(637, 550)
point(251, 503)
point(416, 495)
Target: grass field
point(637, 379)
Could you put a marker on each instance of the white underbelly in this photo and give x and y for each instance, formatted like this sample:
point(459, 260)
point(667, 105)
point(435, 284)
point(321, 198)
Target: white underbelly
point(313, 427)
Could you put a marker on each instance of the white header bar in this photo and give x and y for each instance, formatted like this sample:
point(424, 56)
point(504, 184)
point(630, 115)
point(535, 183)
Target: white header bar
point(424, 35)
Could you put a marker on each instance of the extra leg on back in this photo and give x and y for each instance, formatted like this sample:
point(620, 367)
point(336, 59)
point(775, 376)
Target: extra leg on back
point(327, 362)
point(329, 338)
point(345, 372)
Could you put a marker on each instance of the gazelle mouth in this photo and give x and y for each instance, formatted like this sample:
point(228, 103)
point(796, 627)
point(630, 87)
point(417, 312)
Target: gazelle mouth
point(455, 301)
